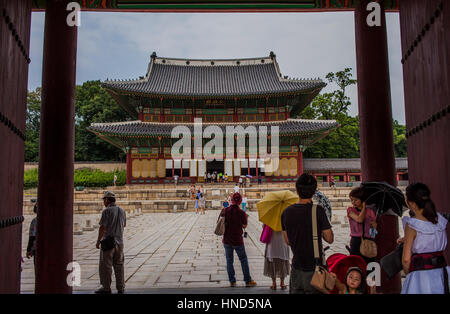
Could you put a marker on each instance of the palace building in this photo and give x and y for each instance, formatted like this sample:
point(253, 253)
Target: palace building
point(248, 92)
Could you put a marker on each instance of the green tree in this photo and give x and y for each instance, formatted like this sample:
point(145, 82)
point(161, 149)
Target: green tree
point(33, 125)
point(95, 105)
point(344, 142)
point(400, 142)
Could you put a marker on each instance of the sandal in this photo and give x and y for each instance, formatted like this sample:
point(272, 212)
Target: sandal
point(273, 287)
point(283, 287)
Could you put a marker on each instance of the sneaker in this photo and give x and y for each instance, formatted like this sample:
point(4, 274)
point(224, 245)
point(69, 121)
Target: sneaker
point(251, 283)
point(232, 284)
point(102, 291)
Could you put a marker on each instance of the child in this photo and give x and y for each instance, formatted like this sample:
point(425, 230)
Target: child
point(355, 282)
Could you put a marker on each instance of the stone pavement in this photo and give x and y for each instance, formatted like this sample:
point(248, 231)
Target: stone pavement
point(175, 252)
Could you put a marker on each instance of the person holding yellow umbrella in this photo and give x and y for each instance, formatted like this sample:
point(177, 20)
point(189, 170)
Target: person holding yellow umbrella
point(270, 208)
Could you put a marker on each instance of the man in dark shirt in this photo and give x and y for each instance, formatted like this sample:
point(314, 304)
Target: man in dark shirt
point(296, 222)
point(235, 221)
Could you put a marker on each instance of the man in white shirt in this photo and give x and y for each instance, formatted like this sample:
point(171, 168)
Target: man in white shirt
point(236, 188)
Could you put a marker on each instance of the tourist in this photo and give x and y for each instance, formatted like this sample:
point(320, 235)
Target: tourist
point(236, 188)
point(240, 182)
point(110, 237)
point(332, 183)
point(423, 245)
point(31, 247)
point(213, 177)
point(296, 222)
point(225, 178)
point(205, 177)
point(175, 179)
point(235, 222)
point(115, 179)
point(355, 282)
point(209, 177)
point(244, 202)
point(276, 260)
point(247, 182)
point(259, 179)
point(220, 177)
point(358, 214)
point(323, 201)
point(201, 202)
point(197, 197)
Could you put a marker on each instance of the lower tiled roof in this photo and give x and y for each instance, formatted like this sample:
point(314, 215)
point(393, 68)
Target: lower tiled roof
point(139, 128)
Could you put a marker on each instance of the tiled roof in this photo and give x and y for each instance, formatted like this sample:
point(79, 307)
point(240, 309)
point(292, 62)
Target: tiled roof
point(214, 78)
point(353, 164)
point(139, 128)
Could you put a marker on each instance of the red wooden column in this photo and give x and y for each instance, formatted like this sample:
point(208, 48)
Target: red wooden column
point(56, 152)
point(375, 115)
point(300, 162)
point(129, 166)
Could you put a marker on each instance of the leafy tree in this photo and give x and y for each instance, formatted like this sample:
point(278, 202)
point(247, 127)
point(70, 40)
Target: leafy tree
point(33, 125)
point(95, 105)
point(400, 142)
point(344, 142)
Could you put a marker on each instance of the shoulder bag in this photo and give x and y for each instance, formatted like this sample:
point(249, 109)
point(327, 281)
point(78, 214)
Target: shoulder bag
point(368, 247)
point(321, 279)
point(220, 226)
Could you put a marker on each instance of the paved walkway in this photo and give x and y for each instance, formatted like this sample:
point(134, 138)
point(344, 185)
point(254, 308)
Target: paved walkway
point(164, 251)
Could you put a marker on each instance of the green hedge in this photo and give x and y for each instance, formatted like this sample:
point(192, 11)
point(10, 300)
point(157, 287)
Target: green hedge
point(82, 177)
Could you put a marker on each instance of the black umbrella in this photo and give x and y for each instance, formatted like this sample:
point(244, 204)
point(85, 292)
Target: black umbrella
point(385, 196)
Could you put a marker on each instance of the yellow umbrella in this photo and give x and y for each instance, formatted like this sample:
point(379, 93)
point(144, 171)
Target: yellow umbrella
point(272, 206)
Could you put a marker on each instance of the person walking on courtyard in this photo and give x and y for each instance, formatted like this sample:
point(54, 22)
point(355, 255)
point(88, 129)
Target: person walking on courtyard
point(244, 203)
point(235, 222)
point(31, 247)
point(197, 197)
point(296, 222)
point(110, 238)
point(276, 259)
point(201, 201)
point(115, 179)
point(358, 215)
point(240, 182)
point(236, 188)
point(423, 245)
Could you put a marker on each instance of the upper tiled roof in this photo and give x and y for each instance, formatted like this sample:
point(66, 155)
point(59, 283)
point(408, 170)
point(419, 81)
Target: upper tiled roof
point(139, 128)
point(215, 78)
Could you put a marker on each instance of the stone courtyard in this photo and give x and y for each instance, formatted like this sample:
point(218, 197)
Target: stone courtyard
point(173, 250)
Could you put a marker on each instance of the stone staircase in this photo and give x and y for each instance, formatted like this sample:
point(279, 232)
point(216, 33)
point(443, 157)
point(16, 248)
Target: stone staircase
point(168, 198)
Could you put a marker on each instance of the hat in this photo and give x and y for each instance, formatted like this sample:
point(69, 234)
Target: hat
point(236, 198)
point(108, 194)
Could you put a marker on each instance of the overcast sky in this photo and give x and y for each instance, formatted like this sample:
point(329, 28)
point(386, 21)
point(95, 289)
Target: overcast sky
point(307, 45)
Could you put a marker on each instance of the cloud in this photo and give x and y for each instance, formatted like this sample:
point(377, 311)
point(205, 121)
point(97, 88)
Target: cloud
point(307, 45)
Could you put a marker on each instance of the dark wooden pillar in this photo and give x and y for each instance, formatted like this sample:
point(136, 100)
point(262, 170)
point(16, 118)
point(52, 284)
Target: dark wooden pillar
point(129, 166)
point(375, 115)
point(15, 20)
point(56, 152)
point(299, 162)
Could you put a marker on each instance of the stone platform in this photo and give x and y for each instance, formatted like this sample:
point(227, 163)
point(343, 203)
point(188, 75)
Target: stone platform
point(168, 198)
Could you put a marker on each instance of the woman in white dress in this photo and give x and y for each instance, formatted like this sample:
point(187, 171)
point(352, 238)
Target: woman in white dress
point(276, 262)
point(424, 242)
